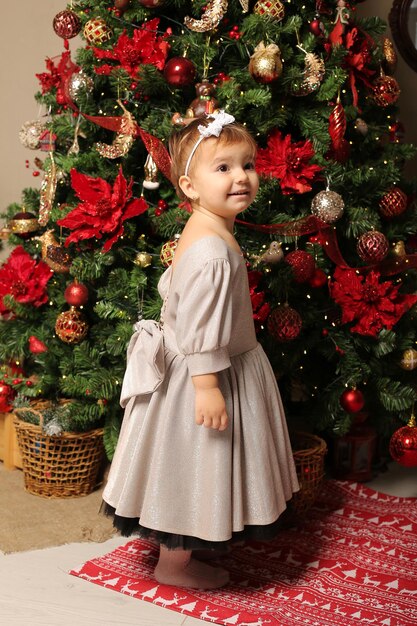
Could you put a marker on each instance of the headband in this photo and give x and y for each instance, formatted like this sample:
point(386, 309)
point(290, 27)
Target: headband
point(213, 129)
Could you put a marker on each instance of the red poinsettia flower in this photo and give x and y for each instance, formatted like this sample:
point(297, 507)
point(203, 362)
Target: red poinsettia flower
point(289, 162)
point(24, 279)
point(103, 208)
point(59, 68)
point(145, 47)
point(372, 304)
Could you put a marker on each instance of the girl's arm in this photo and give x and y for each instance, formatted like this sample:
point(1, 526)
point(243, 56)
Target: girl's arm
point(210, 407)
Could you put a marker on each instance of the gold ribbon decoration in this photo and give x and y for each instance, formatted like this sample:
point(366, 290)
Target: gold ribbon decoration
point(123, 140)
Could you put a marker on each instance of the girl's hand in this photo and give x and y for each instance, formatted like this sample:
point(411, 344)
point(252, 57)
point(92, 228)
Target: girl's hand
point(210, 407)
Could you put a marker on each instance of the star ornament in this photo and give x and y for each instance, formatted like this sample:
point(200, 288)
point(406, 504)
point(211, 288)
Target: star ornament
point(103, 209)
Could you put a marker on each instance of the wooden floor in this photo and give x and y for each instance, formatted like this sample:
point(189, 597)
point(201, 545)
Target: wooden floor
point(36, 590)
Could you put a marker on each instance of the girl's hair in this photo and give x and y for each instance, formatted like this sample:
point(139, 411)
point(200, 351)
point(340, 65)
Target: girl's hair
point(181, 142)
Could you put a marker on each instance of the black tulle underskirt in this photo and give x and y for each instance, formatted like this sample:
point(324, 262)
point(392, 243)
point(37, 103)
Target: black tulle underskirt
point(128, 526)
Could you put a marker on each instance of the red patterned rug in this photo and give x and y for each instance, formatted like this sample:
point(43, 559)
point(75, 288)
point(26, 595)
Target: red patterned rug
point(353, 562)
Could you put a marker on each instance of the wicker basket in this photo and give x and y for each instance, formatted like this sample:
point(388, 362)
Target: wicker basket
point(60, 466)
point(308, 452)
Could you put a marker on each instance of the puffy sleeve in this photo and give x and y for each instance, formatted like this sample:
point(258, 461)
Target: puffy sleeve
point(204, 318)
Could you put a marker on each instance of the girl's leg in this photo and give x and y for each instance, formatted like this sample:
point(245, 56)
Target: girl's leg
point(177, 567)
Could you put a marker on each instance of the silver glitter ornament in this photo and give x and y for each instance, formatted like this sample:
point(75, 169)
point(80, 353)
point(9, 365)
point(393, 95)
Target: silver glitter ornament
point(30, 134)
point(79, 84)
point(328, 206)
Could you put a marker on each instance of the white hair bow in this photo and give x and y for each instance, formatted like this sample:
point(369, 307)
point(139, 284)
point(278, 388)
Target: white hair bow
point(213, 129)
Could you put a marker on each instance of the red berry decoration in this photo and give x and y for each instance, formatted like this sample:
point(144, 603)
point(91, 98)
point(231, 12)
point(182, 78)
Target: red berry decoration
point(179, 72)
point(76, 294)
point(303, 265)
point(393, 203)
point(6, 397)
point(352, 400)
point(403, 444)
point(372, 247)
point(284, 323)
point(385, 91)
point(66, 24)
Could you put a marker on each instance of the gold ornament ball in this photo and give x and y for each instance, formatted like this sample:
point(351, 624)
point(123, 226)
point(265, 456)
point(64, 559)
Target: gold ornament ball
point(168, 251)
point(409, 359)
point(328, 206)
point(265, 64)
point(71, 326)
point(96, 31)
point(24, 224)
point(270, 8)
point(143, 259)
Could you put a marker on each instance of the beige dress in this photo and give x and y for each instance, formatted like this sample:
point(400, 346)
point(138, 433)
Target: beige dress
point(174, 476)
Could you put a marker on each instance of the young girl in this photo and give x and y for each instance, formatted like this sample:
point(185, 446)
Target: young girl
point(203, 458)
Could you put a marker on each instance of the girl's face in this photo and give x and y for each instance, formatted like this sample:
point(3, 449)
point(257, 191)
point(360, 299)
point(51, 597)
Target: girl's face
point(223, 177)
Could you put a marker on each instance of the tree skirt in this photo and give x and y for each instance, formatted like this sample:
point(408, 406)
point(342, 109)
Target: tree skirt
point(353, 561)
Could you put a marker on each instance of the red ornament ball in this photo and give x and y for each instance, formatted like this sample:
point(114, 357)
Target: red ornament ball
point(385, 91)
point(352, 400)
point(152, 4)
point(303, 265)
point(319, 278)
point(6, 397)
point(393, 203)
point(284, 323)
point(122, 5)
point(403, 444)
point(316, 27)
point(76, 294)
point(372, 247)
point(66, 24)
point(179, 72)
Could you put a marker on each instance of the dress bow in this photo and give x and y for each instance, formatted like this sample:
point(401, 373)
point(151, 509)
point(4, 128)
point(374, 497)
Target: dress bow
point(145, 367)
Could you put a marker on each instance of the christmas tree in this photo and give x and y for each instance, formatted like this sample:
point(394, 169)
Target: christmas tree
point(329, 241)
